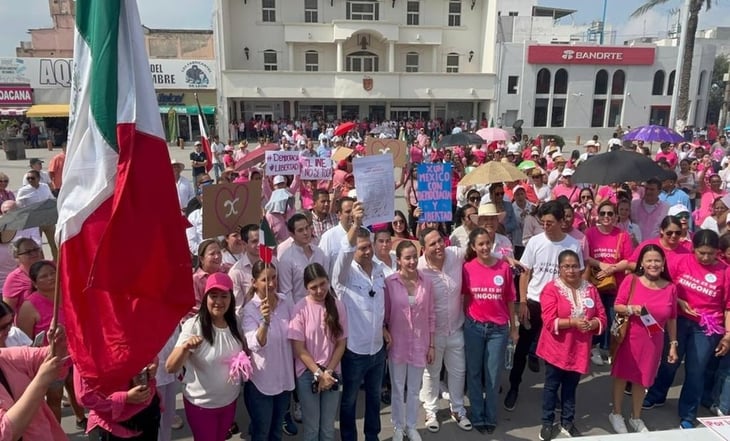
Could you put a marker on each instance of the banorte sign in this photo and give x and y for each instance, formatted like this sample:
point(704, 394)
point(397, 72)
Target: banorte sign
point(613, 55)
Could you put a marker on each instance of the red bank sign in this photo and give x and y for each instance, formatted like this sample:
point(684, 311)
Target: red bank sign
point(621, 55)
point(16, 95)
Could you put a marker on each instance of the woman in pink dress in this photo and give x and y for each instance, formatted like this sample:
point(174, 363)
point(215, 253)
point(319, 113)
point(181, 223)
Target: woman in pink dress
point(638, 356)
point(572, 314)
point(410, 319)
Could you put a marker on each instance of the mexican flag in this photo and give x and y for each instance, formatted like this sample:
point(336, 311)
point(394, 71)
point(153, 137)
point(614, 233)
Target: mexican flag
point(124, 267)
point(267, 241)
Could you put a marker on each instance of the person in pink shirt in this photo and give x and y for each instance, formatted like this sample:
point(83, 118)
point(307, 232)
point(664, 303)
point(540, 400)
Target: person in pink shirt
point(709, 195)
point(489, 301)
point(649, 211)
point(668, 153)
point(410, 320)
point(318, 334)
point(607, 192)
point(566, 187)
point(638, 356)
point(670, 233)
point(572, 313)
point(702, 325)
point(266, 318)
point(210, 260)
point(18, 285)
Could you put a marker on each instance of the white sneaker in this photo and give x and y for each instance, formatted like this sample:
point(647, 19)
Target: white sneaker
point(413, 434)
point(397, 434)
point(716, 410)
point(637, 425)
point(297, 412)
point(432, 423)
point(596, 357)
point(618, 423)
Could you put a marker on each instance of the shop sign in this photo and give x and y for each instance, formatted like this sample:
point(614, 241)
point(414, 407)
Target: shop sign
point(591, 55)
point(16, 95)
point(170, 99)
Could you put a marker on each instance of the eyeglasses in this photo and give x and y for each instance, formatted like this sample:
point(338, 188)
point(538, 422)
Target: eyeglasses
point(30, 178)
point(672, 233)
point(30, 251)
point(570, 267)
point(208, 182)
point(606, 213)
point(475, 199)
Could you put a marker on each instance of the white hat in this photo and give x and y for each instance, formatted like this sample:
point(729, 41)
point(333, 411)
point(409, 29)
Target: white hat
point(513, 148)
point(352, 194)
point(516, 188)
point(197, 143)
point(590, 143)
point(568, 172)
point(279, 179)
point(176, 162)
point(489, 209)
point(676, 209)
point(556, 155)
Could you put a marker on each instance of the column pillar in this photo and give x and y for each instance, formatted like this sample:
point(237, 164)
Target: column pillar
point(339, 109)
point(339, 56)
point(391, 56)
point(434, 58)
point(290, 46)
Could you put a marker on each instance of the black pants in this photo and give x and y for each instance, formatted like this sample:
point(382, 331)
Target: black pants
point(147, 421)
point(527, 337)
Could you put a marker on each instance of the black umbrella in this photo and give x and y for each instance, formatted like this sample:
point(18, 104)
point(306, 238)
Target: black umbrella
point(461, 138)
point(617, 167)
point(34, 215)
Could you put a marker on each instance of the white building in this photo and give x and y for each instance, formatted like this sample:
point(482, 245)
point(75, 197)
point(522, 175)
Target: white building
point(355, 58)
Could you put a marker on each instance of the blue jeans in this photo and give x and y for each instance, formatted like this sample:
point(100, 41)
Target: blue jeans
point(604, 340)
point(484, 345)
point(266, 412)
point(318, 410)
point(567, 382)
point(367, 370)
point(717, 384)
point(696, 348)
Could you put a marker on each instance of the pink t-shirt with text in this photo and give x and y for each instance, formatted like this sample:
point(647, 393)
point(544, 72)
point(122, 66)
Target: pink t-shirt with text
point(488, 291)
point(705, 288)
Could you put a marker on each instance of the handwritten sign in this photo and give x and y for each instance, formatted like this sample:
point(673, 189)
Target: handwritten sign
point(375, 180)
point(396, 147)
point(720, 426)
point(282, 163)
point(227, 207)
point(316, 169)
point(434, 192)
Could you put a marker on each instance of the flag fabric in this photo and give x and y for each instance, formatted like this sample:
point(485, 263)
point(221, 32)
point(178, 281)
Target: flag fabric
point(124, 267)
point(267, 241)
point(650, 322)
point(204, 135)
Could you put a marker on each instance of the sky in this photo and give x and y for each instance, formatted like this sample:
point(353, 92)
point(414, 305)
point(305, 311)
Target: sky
point(197, 14)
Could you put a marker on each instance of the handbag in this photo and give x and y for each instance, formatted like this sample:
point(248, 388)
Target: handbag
point(607, 283)
point(620, 324)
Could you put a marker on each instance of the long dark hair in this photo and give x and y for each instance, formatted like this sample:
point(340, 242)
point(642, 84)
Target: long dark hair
point(206, 321)
point(312, 272)
point(639, 271)
point(470, 253)
point(256, 270)
point(36, 268)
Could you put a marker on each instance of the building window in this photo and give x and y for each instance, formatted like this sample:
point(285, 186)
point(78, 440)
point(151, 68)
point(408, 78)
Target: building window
point(412, 62)
point(541, 112)
point(601, 86)
point(361, 62)
point(670, 83)
point(557, 118)
point(452, 63)
point(658, 85)
point(311, 61)
point(268, 11)
point(513, 13)
point(366, 10)
point(614, 112)
point(310, 11)
point(413, 8)
point(560, 87)
point(270, 60)
point(512, 84)
point(454, 12)
point(599, 110)
point(618, 83)
point(543, 81)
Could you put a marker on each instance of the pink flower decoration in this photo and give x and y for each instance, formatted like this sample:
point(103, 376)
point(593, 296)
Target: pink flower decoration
point(240, 369)
point(711, 324)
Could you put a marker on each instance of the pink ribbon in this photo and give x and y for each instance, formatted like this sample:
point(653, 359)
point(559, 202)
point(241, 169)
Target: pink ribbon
point(240, 368)
point(711, 324)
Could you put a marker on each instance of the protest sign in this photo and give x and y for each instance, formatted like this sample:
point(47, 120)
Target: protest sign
point(227, 207)
point(720, 426)
point(341, 153)
point(282, 163)
point(375, 187)
point(316, 169)
point(396, 147)
point(434, 192)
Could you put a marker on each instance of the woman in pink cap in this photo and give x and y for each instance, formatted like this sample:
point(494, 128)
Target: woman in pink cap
point(206, 345)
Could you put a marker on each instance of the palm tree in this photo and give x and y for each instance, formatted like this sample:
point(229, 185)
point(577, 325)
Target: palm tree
point(689, 48)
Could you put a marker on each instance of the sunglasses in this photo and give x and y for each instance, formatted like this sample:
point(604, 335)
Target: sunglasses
point(30, 251)
point(672, 233)
point(606, 213)
point(30, 178)
point(683, 216)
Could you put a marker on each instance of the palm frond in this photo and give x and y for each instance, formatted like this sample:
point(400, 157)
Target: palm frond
point(649, 5)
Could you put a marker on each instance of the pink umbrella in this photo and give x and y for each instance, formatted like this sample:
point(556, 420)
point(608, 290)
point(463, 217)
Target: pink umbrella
point(254, 156)
point(490, 134)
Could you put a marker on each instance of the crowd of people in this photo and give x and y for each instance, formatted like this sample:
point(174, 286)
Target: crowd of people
point(541, 273)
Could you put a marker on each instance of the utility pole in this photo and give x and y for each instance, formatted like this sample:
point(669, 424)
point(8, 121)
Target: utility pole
point(603, 22)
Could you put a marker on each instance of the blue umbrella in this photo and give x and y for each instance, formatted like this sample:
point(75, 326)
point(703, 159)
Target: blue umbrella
point(653, 134)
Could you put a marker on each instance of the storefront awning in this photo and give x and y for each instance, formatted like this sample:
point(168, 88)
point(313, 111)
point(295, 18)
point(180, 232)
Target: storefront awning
point(188, 110)
point(48, 110)
point(13, 111)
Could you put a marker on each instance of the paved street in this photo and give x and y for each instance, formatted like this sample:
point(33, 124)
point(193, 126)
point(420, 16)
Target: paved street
point(522, 424)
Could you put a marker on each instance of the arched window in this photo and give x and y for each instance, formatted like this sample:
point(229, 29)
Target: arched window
point(618, 83)
point(701, 83)
point(270, 62)
point(658, 85)
point(670, 83)
point(560, 86)
point(543, 81)
point(452, 63)
point(311, 61)
point(361, 61)
point(412, 62)
point(601, 87)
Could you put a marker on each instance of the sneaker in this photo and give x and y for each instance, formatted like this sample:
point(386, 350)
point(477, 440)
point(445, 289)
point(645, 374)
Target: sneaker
point(628, 389)
point(490, 429)
point(571, 431)
point(288, 426)
point(546, 433)
point(716, 410)
point(684, 424)
point(533, 363)
point(462, 421)
point(481, 428)
point(618, 423)
point(81, 424)
point(397, 434)
point(432, 423)
point(510, 400)
point(596, 357)
point(412, 434)
point(637, 425)
point(297, 412)
point(646, 405)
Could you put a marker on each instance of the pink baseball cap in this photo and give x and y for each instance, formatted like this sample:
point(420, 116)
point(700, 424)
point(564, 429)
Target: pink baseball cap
point(219, 281)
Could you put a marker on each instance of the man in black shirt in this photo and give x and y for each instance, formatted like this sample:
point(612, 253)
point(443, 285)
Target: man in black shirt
point(199, 160)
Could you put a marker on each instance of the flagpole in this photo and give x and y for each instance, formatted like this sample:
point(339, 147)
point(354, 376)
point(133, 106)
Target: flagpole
point(56, 305)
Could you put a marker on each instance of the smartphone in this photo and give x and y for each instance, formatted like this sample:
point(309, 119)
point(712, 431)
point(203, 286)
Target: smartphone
point(142, 378)
point(39, 339)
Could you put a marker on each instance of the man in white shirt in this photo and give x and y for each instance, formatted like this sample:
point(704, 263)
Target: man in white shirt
point(298, 256)
point(331, 240)
point(540, 260)
point(240, 272)
point(32, 193)
point(360, 284)
point(37, 164)
point(195, 232)
point(185, 191)
point(216, 149)
point(460, 236)
point(443, 267)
